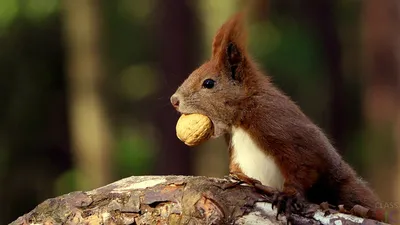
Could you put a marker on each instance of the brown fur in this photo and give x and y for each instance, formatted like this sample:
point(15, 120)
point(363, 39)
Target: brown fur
point(244, 97)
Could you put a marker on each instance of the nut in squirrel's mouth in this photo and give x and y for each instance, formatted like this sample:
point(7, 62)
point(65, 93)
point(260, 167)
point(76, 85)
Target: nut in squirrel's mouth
point(217, 131)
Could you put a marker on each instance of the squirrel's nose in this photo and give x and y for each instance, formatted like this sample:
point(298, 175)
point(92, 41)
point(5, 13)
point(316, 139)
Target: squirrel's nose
point(175, 101)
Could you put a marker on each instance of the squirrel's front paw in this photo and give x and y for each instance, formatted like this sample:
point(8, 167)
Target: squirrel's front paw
point(238, 178)
point(287, 204)
point(243, 178)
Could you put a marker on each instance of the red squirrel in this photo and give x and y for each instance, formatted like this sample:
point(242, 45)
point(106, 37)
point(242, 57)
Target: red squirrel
point(270, 139)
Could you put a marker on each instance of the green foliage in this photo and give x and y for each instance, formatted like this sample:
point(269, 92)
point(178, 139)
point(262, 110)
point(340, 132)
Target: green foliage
point(136, 10)
point(138, 81)
point(128, 39)
point(8, 12)
point(283, 43)
point(66, 182)
point(135, 151)
point(134, 78)
point(289, 53)
point(32, 10)
point(39, 10)
point(371, 144)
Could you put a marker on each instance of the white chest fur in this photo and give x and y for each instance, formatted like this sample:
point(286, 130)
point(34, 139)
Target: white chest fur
point(253, 161)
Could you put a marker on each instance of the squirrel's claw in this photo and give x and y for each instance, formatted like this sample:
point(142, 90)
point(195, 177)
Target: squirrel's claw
point(286, 204)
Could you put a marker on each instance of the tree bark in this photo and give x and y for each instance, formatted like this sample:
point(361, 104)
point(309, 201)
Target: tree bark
point(170, 200)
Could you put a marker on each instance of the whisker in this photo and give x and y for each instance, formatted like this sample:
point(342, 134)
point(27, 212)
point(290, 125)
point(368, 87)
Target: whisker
point(192, 101)
point(167, 85)
point(162, 98)
point(165, 82)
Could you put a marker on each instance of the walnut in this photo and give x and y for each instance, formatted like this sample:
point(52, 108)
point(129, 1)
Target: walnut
point(194, 129)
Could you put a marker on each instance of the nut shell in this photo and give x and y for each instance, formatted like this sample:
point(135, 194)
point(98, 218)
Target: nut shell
point(194, 129)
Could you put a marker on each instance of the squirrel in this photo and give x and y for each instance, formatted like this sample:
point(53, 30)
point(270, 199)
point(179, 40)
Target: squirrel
point(271, 141)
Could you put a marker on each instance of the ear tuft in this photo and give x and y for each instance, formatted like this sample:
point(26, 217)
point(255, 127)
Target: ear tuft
point(232, 33)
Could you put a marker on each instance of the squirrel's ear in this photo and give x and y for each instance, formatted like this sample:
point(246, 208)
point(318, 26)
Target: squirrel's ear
point(229, 45)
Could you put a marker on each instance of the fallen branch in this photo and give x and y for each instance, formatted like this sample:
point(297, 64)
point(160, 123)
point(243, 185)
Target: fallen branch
point(169, 200)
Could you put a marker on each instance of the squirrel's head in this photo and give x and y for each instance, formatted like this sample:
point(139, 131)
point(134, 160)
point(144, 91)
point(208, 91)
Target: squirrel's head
point(220, 86)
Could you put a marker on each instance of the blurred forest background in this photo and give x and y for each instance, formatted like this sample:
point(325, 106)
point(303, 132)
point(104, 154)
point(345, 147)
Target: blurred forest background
point(85, 87)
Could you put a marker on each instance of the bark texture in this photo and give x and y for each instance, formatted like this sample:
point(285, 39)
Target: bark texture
point(169, 200)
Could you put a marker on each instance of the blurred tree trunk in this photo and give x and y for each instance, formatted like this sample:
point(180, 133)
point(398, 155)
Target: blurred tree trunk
point(34, 141)
point(381, 39)
point(89, 126)
point(321, 16)
point(177, 40)
point(396, 187)
point(328, 34)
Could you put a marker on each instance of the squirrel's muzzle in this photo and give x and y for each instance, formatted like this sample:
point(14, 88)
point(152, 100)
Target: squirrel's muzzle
point(175, 101)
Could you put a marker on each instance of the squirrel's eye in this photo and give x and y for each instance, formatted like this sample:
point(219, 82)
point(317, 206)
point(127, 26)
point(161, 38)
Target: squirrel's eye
point(209, 83)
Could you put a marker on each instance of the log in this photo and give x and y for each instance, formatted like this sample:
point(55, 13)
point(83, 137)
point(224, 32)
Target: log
point(170, 200)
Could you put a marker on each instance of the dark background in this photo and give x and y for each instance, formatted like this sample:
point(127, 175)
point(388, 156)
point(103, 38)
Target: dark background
point(85, 87)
